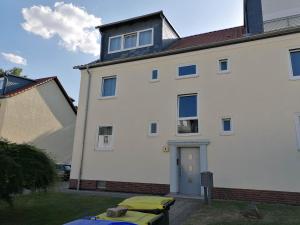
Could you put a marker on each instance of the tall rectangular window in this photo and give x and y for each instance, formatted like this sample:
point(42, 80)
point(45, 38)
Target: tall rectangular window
point(105, 138)
point(190, 70)
point(153, 129)
point(226, 126)
point(154, 75)
point(108, 86)
point(187, 114)
point(115, 44)
point(130, 40)
point(295, 63)
point(145, 37)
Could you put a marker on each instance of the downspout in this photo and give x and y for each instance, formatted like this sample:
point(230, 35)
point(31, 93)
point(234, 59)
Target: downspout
point(84, 128)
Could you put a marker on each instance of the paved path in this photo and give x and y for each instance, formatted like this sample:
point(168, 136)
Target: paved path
point(179, 213)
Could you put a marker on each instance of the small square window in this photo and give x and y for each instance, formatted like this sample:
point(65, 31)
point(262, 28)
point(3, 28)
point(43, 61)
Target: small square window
point(153, 128)
point(295, 63)
point(154, 75)
point(108, 86)
point(223, 65)
point(130, 41)
point(226, 125)
point(184, 71)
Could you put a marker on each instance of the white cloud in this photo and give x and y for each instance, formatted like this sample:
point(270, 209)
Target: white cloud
point(14, 58)
point(73, 25)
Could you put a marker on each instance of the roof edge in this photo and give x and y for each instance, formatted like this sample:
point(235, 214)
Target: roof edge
point(266, 35)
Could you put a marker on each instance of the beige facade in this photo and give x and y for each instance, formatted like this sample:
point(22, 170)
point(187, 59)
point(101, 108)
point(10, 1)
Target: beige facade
point(257, 94)
point(40, 116)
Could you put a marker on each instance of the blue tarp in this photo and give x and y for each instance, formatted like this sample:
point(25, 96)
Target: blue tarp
point(96, 222)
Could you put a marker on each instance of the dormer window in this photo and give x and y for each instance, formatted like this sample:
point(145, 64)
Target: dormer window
point(139, 39)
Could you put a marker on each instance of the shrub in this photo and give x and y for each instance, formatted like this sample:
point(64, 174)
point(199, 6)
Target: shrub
point(23, 166)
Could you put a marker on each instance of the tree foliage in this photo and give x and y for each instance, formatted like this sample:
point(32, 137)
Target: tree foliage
point(16, 71)
point(23, 166)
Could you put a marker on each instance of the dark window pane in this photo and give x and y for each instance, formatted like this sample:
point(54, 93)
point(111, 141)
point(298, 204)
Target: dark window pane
point(105, 131)
point(153, 128)
point(223, 65)
point(295, 57)
point(130, 41)
point(187, 126)
point(187, 70)
point(187, 106)
point(226, 124)
point(115, 44)
point(109, 87)
point(154, 75)
point(145, 37)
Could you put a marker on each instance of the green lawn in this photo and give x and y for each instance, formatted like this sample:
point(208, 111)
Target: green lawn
point(53, 208)
point(228, 213)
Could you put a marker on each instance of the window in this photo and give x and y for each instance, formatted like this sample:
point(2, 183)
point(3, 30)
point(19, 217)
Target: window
point(295, 63)
point(187, 71)
point(153, 129)
point(1, 83)
point(226, 126)
point(145, 38)
point(108, 86)
point(223, 66)
point(115, 44)
point(187, 114)
point(154, 75)
point(297, 123)
point(130, 40)
point(104, 141)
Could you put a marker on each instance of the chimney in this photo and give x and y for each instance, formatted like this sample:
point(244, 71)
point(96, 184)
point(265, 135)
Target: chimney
point(253, 17)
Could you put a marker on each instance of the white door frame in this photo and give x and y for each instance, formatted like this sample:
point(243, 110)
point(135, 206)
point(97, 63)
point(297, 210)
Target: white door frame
point(174, 147)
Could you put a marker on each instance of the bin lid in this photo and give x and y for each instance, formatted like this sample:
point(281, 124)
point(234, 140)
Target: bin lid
point(97, 222)
point(138, 218)
point(147, 203)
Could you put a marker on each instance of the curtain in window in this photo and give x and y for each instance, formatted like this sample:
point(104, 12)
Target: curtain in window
point(130, 41)
point(115, 44)
point(145, 37)
point(109, 87)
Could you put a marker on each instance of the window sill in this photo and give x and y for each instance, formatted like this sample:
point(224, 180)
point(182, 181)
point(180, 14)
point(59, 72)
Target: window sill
point(294, 77)
point(224, 72)
point(154, 81)
point(103, 149)
point(188, 134)
point(227, 133)
point(108, 97)
point(152, 135)
point(186, 77)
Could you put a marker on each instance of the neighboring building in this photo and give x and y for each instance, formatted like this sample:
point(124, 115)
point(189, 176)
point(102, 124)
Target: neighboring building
point(153, 116)
point(38, 112)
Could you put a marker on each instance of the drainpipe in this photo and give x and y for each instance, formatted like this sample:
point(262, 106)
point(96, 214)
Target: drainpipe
point(84, 128)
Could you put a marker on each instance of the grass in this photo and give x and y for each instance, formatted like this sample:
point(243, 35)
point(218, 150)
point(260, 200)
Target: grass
point(53, 208)
point(228, 213)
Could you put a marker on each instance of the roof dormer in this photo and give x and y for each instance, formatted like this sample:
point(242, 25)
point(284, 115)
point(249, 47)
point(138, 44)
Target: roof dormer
point(136, 36)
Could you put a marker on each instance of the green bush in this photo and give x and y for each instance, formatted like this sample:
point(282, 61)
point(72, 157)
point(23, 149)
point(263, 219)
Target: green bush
point(23, 166)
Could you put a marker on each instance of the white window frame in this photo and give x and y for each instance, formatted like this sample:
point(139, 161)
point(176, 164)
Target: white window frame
point(297, 126)
point(187, 118)
point(149, 129)
point(291, 75)
point(219, 66)
point(109, 148)
point(137, 41)
point(102, 83)
point(187, 76)
point(222, 131)
point(154, 80)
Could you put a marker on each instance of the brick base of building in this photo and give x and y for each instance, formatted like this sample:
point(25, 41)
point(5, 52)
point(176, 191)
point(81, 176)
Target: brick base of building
point(129, 187)
point(292, 198)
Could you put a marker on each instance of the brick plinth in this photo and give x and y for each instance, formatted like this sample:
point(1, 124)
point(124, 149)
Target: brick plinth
point(292, 198)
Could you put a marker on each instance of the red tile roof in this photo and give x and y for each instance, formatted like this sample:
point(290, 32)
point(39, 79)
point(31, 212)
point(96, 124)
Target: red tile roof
point(208, 38)
point(39, 82)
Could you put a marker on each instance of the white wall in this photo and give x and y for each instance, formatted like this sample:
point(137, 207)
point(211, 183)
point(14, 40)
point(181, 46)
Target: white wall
point(262, 154)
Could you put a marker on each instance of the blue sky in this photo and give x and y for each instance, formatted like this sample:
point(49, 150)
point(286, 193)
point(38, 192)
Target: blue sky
point(42, 46)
